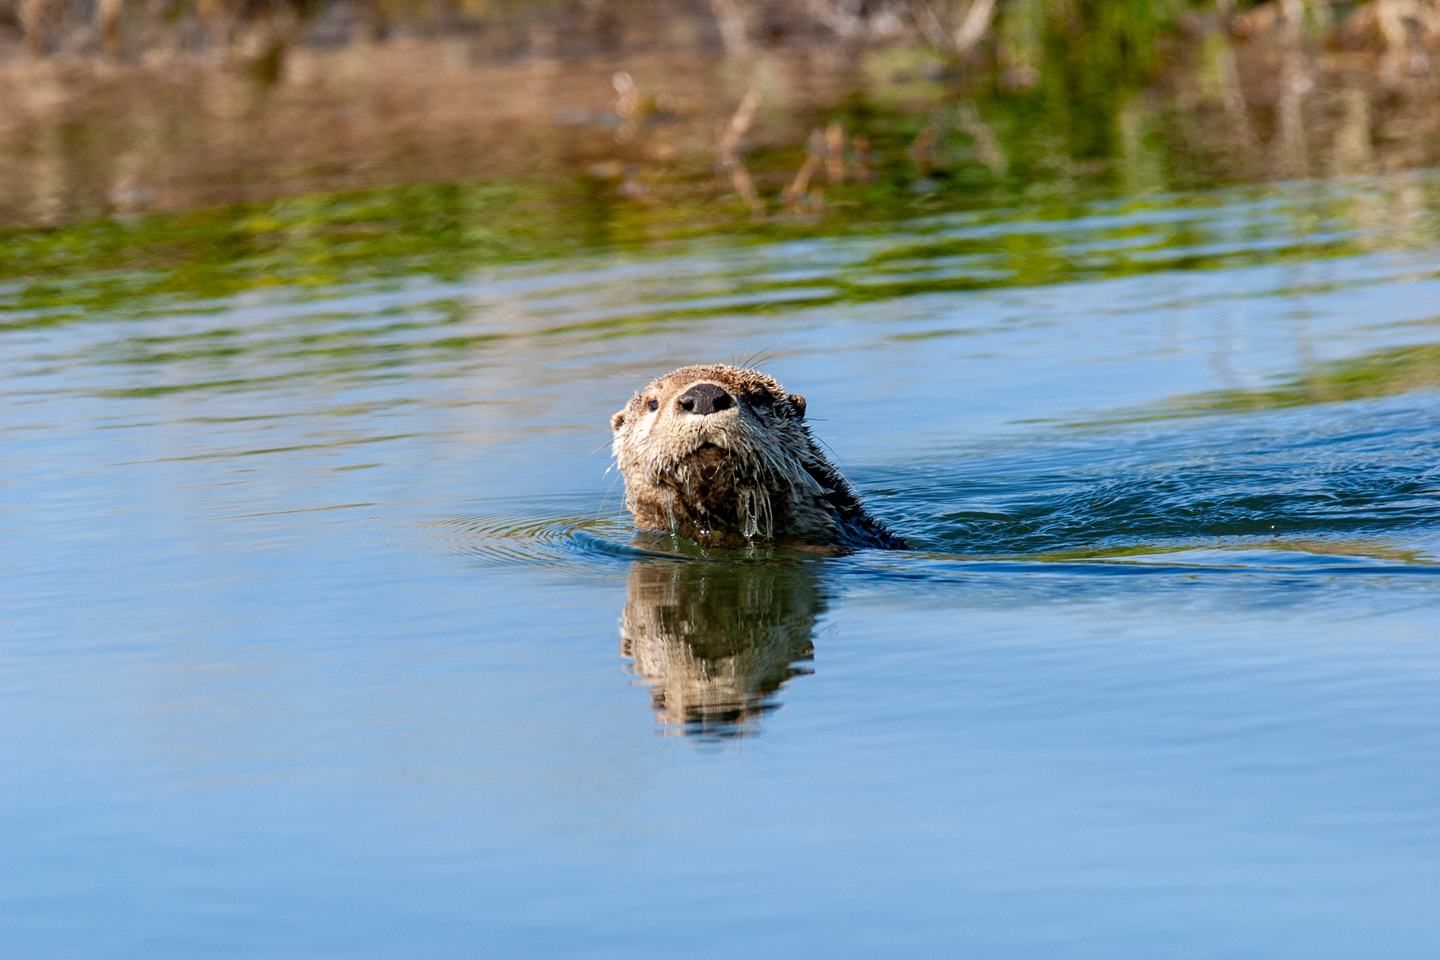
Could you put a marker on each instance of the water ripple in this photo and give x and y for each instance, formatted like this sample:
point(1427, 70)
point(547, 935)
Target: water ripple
point(544, 541)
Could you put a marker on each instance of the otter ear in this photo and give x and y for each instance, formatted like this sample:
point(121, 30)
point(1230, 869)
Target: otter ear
point(617, 421)
point(797, 403)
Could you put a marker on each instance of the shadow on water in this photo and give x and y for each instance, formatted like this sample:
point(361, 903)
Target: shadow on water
point(715, 641)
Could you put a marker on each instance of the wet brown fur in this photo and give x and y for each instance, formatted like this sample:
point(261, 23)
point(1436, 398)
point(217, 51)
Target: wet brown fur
point(748, 473)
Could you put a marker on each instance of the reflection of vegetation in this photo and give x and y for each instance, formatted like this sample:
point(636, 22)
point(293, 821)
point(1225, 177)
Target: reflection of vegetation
point(969, 30)
point(1373, 550)
point(716, 640)
point(1061, 117)
point(1349, 548)
point(1063, 99)
point(160, 262)
point(1382, 373)
point(308, 240)
point(1057, 108)
point(1097, 54)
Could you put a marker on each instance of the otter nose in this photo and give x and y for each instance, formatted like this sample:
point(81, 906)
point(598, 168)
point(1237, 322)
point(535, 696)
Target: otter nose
point(705, 398)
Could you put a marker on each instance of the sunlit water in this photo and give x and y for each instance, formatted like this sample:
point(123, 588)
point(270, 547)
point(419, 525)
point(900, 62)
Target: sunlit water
point(325, 633)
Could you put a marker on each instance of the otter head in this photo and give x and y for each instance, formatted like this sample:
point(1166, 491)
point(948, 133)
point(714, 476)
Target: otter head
point(711, 453)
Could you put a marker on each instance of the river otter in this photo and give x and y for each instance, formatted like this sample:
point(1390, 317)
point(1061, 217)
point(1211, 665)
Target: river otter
point(721, 455)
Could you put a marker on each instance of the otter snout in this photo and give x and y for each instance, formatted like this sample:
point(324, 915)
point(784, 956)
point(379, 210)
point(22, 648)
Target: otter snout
point(705, 398)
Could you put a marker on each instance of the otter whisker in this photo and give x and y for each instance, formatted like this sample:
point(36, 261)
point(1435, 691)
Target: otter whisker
point(606, 499)
point(765, 355)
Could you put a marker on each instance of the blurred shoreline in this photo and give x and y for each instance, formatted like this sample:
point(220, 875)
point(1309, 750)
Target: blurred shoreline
point(673, 116)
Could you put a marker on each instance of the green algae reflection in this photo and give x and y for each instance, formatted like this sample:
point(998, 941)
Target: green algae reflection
point(1380, 373)
point(119, 268)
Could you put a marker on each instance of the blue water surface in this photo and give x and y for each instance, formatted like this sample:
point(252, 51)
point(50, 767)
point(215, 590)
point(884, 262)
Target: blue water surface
point(324, 634)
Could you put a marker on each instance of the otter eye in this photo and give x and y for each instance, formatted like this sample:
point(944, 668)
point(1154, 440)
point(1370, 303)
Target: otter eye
point(653, 405)
point(762, 398)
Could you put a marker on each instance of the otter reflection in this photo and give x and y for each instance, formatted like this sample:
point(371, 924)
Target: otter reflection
point(716, 640)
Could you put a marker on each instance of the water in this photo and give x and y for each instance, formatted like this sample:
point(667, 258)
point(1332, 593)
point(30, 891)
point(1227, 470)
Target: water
point(326, 635)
